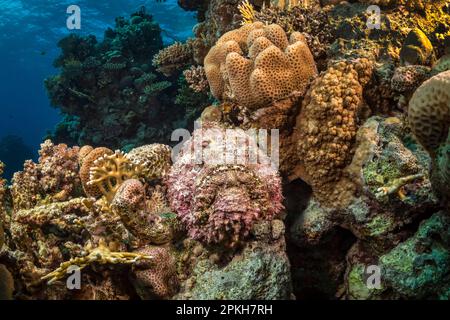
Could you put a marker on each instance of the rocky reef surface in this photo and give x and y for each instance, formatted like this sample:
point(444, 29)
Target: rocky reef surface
point(358, 207)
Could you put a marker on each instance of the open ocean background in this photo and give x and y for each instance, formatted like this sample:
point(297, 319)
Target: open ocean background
point(29, 32)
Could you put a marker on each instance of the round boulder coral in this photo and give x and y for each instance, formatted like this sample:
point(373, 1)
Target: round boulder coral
point(221, 185)
point(429, 118)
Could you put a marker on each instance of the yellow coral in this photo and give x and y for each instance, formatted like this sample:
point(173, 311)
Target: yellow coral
point(247, 12)
point(100, 255)
point(110, 171)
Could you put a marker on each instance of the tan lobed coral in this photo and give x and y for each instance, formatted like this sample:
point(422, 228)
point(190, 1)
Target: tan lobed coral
point(156, 278)
point(53, 178)
point(327, 124)
point(154, 160)
point(275, 67)
point(429, 118)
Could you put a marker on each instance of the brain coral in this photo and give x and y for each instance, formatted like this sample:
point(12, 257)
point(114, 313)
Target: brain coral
point(257, 64)
point(158, 277)
point(155, 160)
point(220, 196)
point(429, 118)
point(327, 124)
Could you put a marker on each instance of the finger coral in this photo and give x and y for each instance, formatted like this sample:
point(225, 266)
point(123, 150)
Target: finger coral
point(55, 177)
point(276, 66)
point(429, 118)
point(327, 124)
point(157, 277)
point(219, 201)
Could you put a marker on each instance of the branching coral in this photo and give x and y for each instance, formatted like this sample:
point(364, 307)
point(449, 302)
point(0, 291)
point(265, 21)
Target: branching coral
point(247, 12)
point(157, 276)
point(429, 118)
point(275, 68)
point(196, 78)
point(173, 58)
point(219, 201)
point(153, 159)
point(110, 171)
point(54, 177)
point(100, 255)
point(327, 124)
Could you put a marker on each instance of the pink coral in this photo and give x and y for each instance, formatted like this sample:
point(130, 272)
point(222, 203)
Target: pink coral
point(221, 195)
point(55, 176)
point(196, 78)
point(157, 277)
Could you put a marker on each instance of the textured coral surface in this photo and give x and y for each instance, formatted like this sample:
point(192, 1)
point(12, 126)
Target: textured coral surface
point(351, 174)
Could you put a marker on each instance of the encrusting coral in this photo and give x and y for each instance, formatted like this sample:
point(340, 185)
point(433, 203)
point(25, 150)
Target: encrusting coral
point(157, 276)
point(219, 201)
point(429, 118)
point(154, 160)
point(327, 125)
point(276, 66)
point(196, 78)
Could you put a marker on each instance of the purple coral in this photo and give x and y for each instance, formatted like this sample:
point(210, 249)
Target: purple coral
point(219, 202)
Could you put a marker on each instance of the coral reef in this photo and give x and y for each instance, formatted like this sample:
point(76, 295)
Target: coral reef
point(361, 180)
point(113, 82)
point(154, 160)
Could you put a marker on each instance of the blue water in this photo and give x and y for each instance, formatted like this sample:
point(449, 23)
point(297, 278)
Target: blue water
point(29, 32)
